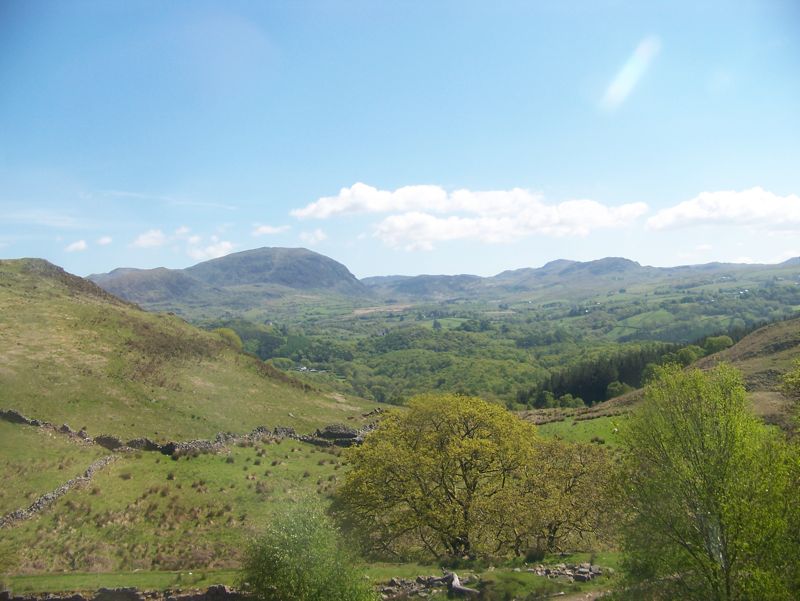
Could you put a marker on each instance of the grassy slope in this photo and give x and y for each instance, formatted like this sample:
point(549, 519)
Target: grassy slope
point(147, 511)
point(72, 353)
point(36, 461)
point(763, 357)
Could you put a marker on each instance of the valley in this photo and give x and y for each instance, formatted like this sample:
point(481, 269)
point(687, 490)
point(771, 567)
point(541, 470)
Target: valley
point(307, 358)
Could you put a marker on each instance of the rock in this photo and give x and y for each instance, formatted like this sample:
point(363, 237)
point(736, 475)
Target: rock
point(112, 443)
point(142, 444)
point(337, 432)
point(118, 594)
point(15, 417)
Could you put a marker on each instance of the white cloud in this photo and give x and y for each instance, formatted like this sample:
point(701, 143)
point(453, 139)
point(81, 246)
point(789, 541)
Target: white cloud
point(264, 230)
point(753, 207)
point(361, 198)
point(312, 238)
point(104, 240)
point(217, 248)
point(77, 246)
point(182, 231)
point(631, 73)
point(420, 231)
point(150, 239)
point(424, 215)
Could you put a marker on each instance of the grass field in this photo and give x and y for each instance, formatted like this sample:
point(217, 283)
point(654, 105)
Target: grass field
point(36, 461)
point(590, 430)
point(148, 511)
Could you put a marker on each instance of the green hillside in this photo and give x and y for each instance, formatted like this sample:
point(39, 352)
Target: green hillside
point(72, 353)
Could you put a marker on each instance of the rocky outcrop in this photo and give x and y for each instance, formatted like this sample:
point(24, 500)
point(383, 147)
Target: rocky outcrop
point(47, 499)
point(424, 586)
point(582, 572)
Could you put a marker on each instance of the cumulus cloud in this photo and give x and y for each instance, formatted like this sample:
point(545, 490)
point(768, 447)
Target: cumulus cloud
point(420, 231)
point(77, 246)
point(631, 73)
point(361, 198)
point(104, 240)
point(150, 239)
point(424, 215)
point(264, 230)
point(753, 207)
point(312, 238)
point(217, 248)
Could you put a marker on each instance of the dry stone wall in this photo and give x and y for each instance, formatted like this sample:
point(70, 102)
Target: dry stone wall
point(213, 593)
point(47, 499)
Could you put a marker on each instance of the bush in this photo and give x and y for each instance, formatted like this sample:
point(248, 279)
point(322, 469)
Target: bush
point(300, 557)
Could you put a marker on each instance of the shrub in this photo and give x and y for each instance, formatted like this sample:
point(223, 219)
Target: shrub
point(300, 557)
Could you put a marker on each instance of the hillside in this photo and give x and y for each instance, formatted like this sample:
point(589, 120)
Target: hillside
point(239, 281)
point(762, 356)
point(72, 353)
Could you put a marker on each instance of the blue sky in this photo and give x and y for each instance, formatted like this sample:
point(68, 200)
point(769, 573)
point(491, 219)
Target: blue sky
point(400, 137)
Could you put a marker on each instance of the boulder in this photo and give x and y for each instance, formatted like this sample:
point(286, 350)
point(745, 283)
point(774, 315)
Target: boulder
point(112, 443)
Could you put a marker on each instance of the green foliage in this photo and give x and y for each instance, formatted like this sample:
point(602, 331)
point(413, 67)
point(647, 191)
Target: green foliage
point(438, 476)
point(791, 380)
point(617, 388)
point(230, 337)
point(708, 492)
point(301, 557)
point(714, 344)
point(458, 476)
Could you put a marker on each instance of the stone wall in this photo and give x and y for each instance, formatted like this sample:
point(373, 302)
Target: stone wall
point(49, 498)
point(213, 593)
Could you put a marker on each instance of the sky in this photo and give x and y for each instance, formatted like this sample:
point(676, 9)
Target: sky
point(400, 137)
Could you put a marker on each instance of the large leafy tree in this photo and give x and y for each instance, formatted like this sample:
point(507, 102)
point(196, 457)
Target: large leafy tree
point(438, 476)
point(458, 476)
point(709, 494)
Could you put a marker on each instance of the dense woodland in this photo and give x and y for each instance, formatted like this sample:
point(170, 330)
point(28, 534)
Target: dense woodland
point(519, 353)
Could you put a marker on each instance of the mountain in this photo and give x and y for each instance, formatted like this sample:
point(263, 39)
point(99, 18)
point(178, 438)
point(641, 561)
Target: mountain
point(429, 287)
point(296, 268)
point(73, 353)
point(236, 282)
point(154, 287)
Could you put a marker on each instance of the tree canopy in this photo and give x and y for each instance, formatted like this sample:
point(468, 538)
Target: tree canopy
point(459, 476)
point(709, 493)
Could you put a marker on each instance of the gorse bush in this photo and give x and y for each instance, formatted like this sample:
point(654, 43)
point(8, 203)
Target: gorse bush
point(300, 557)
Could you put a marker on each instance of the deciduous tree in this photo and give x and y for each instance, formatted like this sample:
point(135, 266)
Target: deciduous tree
point(709, 494)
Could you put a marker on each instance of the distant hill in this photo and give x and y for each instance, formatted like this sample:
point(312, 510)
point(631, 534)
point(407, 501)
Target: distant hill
point(71, 352)
point(296, 268)
point(295, 285)
point(236, 282)
point(156, 286)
